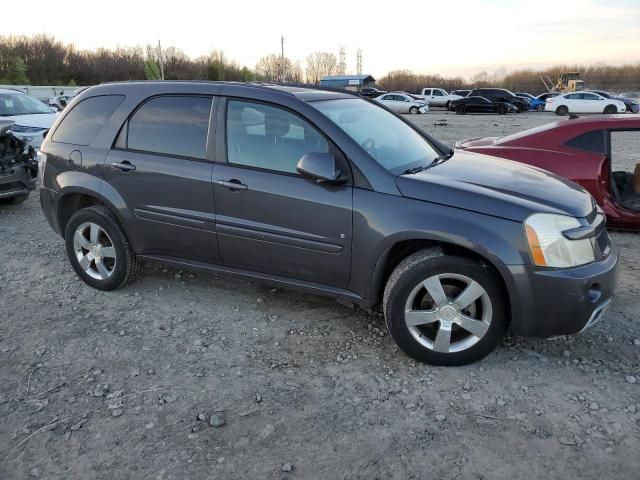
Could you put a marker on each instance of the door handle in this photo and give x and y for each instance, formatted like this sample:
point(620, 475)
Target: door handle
point(124, 166)
point(233, 184)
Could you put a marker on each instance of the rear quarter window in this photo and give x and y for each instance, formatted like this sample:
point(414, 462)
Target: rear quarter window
point(592, 142)
point(81, 125)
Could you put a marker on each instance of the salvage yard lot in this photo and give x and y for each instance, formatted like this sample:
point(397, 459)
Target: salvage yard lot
point(136, 383)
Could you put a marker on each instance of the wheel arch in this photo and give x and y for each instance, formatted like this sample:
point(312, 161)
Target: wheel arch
point(82, 192)
point(402, 248)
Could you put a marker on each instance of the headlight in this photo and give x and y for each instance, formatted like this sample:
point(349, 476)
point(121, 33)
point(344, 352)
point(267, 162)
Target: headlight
point(550, 248)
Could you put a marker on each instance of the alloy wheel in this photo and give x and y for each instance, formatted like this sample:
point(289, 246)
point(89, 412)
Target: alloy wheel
point(94, 251)
point(448, 312)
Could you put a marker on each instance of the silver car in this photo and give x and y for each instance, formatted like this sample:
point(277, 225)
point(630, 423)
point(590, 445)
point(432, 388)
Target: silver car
point(402, 103)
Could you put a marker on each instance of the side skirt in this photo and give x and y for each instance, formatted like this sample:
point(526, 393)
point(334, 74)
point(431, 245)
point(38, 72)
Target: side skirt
point(266, 278)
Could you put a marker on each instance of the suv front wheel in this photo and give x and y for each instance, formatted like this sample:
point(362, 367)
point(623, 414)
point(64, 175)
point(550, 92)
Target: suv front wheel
point(444, 310)
point(98, 249)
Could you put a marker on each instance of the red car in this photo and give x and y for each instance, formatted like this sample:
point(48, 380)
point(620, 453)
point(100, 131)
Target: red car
point(579, 149)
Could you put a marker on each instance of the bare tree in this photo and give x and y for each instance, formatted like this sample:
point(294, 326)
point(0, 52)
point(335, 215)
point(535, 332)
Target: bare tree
point(319, 65)
point(273, 68)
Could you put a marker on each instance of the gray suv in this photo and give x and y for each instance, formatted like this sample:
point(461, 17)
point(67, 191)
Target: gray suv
point(329, 193)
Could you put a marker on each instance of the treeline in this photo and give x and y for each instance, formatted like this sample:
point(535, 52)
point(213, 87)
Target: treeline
point(622, 78)
point(43, 60)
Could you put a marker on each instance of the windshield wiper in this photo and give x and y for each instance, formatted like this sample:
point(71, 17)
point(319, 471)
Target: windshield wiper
point(434, 162)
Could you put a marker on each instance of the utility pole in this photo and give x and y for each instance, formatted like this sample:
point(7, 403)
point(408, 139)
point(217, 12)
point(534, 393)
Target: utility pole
point(359, 62)
point(161, 61)
point(342, 64)
point(282, 58)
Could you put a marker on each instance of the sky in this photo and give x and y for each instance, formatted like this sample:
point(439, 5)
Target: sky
point(452, 37)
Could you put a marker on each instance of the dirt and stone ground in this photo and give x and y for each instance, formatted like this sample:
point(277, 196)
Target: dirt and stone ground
point(184, 375)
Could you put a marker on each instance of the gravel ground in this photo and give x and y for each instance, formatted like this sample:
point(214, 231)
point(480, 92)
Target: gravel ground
point(184, 375)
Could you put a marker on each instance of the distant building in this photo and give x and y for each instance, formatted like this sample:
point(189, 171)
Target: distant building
point(349, 82)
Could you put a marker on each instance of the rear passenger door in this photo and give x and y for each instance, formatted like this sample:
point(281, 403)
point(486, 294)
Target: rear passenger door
point(159, 167)
point(268, 217)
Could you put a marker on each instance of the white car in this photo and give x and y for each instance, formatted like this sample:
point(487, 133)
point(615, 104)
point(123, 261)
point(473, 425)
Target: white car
point(402, 103)
point(583, 102)
point(31, 117)
point(60, 102)
point(438, 97)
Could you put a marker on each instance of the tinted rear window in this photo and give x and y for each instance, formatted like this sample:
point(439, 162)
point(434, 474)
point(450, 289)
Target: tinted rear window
point(171, 125)
point(593, 142)
point(81, 125)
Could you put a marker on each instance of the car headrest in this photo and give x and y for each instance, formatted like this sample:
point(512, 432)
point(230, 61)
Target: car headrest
point(276, 124)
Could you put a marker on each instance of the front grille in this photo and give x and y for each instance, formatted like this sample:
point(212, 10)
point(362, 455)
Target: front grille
point(8, 187)
point(592, 216)
point(603, 242)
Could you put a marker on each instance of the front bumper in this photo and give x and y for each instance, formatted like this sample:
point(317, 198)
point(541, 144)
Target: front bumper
point(550, 302)
point(19, 181)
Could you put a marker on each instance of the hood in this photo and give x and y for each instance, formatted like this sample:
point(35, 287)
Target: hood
point(496, 187)
point(40, 120)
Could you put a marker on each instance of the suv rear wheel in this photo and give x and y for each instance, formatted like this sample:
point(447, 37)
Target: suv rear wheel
point(98, 249)
point(444, 310)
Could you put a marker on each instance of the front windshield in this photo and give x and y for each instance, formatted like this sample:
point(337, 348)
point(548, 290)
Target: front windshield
point(394, 144)
point(20, 104)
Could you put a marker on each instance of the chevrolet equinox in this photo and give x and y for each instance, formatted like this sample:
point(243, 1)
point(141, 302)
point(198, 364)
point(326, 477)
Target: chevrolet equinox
point(330, 193)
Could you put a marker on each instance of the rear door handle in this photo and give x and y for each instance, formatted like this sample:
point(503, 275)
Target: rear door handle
point(125, 166)
point(233, 184)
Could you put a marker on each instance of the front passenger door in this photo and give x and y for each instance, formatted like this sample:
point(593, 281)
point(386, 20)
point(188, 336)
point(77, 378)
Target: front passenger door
point(268, 217)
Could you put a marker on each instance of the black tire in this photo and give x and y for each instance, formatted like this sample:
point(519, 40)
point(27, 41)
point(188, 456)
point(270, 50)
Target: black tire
point(414, 110)
point(126, 267)
point(14, 200)
point(540, 108)
point(446, 105)
point(562, 110)
point(460, 109)
point(502, 110)
point(610, 109)
point(424, 264)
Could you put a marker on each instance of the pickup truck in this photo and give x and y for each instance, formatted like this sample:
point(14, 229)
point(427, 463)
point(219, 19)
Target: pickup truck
point(437, 97)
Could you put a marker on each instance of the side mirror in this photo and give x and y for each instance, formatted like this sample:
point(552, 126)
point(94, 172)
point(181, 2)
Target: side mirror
point(320, 167)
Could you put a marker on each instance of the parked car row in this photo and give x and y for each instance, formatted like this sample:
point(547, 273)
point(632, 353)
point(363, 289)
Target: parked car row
point(329, 193)
point(502, 101)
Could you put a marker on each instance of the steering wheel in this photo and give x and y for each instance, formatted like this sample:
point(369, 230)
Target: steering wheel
point(368, 144)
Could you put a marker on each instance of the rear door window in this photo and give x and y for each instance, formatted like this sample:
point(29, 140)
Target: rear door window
point(82, 124)
point(171, 125)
